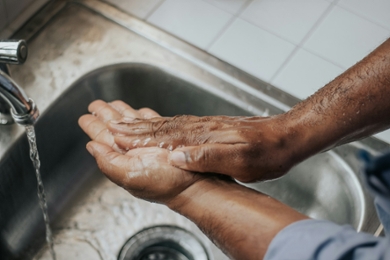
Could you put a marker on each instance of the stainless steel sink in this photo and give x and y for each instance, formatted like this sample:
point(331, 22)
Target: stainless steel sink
point(93, 218)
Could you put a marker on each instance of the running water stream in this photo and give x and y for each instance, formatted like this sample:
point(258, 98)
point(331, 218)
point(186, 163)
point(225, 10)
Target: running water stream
point(41, 191)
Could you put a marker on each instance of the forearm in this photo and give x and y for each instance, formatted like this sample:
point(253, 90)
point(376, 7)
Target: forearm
point(240, 221)
point(354, 105)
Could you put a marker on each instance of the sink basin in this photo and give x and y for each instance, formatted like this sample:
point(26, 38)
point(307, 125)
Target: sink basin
point(86, 208)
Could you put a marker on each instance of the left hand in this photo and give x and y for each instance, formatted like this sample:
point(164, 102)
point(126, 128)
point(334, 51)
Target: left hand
point(144, 172)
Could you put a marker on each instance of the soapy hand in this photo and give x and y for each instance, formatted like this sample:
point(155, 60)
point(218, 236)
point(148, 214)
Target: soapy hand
point(245, 148)
point(144, 172)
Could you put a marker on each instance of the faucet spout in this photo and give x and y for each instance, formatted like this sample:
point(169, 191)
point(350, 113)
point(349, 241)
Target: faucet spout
point(15, 105)
point(22, 109)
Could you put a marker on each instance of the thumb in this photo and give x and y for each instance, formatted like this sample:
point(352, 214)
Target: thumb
point(216, 158)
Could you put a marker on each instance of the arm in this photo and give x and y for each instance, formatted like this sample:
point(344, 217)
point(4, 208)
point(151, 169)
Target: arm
point(354, 105)
point(242, 222)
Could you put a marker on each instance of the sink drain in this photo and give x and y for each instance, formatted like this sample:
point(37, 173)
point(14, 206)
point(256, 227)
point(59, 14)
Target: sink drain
point(163, 243)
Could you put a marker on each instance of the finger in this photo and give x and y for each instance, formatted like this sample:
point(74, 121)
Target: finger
point(130, 142)
point(114, 165)
point(103, 111)
point(128, 126)
point(217, 158)
point(125, 110)
point(148, 113)
point(97, 131)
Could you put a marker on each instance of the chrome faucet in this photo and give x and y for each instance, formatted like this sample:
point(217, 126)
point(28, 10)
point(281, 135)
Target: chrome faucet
point(15, 105)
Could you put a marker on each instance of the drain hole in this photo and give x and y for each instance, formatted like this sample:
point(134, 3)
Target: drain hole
point(163, 243)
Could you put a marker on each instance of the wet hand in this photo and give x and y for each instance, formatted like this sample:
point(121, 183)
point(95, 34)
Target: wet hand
point(245, 148)
point(144, 172)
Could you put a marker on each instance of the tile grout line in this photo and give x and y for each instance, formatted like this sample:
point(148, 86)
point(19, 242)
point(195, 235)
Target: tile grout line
point(305, 38)
point(219, 34)
point(345, 8)
point(227, 25)
point(268, 31)
point(153, 10)
point(324, 58)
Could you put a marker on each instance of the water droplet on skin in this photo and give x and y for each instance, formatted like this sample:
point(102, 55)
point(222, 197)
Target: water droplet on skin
point(161, 144)
point(127, 148)
point(94, 113)
point(357, 112)
point(170, 147)
point(146, 141)
point(136, 142)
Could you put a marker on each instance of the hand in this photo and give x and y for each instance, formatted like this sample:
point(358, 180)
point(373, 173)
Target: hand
point(143, 172)
point(245, 148)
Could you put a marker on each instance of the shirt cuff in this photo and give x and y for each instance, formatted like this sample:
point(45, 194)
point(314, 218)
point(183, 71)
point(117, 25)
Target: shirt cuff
point(317, 239)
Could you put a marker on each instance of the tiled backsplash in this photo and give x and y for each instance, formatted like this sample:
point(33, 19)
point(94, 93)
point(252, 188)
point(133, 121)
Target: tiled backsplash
point(296, 45)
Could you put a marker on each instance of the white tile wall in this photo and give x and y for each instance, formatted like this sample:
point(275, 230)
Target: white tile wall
point(345, 38)
point(230, 6)
point(288, 19)
point(297, 45)
point(197, 22)
point(305, 73)
point(373, 10)
point(238, 43)
point(385, 136)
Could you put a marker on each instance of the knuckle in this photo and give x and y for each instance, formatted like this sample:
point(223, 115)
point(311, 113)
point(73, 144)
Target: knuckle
point(161, 128)
point(201, 158)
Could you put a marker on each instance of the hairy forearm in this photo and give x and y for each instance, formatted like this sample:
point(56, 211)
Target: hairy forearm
point(354, 105)
point(240, 221)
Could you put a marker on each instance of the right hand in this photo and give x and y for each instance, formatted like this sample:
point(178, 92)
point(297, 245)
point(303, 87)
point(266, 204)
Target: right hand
point(245, 148)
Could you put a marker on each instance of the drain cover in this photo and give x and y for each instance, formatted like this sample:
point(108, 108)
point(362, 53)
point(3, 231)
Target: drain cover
point(163, 243)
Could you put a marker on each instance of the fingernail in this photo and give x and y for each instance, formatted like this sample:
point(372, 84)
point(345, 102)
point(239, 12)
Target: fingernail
point(90, 149)
point(177, 158)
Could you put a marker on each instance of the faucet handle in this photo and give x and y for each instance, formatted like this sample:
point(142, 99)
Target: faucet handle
point(13, 51)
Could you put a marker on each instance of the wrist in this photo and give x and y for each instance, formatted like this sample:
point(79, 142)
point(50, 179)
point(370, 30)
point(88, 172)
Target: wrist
point(192, 194)
point(291, 140)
